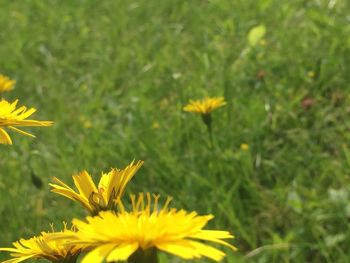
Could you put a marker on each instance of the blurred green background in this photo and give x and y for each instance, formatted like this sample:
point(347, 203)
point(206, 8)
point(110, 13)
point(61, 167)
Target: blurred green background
point(115, 75)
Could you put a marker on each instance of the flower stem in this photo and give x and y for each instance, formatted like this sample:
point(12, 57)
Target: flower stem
point(144, 256)
point(207, 121)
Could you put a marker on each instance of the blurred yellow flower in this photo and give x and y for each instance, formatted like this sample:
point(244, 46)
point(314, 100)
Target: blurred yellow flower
point(11, 117)
point(111, 186)
point(117, 236)
point(87, 124)
point(311, 74)
point(244, 146)
point(205, 106)
point(44, 247)
point(155, 125)
point(6, 84)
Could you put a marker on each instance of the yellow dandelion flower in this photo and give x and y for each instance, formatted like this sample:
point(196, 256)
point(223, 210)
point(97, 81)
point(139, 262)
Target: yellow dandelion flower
point(244, 146)
point(44, 246)
point(205, 106)
point(87, 124)
point(311, 74)
point(126, 235)
point(6, 84)
point(155, 125)
point(96, 198)
point(11, 117)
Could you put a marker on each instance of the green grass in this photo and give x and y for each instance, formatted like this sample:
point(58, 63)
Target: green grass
point(125, 65)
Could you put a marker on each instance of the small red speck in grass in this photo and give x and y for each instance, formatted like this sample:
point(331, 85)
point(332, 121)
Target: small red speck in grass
point(261, 75)
point(307, 103)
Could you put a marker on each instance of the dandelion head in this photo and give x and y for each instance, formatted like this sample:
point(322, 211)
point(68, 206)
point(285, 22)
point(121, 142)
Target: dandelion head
point(311, 74)
point(96, 198)
point(12, 116)
point(205, 106)
point(44, 246)
point(6, 84)
point(147, 226)
point(244, 146)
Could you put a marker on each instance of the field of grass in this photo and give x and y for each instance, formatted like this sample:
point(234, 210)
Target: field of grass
point(114, 77)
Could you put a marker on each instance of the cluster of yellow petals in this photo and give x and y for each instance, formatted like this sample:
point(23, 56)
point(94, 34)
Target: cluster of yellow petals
point(6, 84)
point(205, 106)
point(11, 117)
point(101, 197)
point(115, 236)
point(44, 246)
